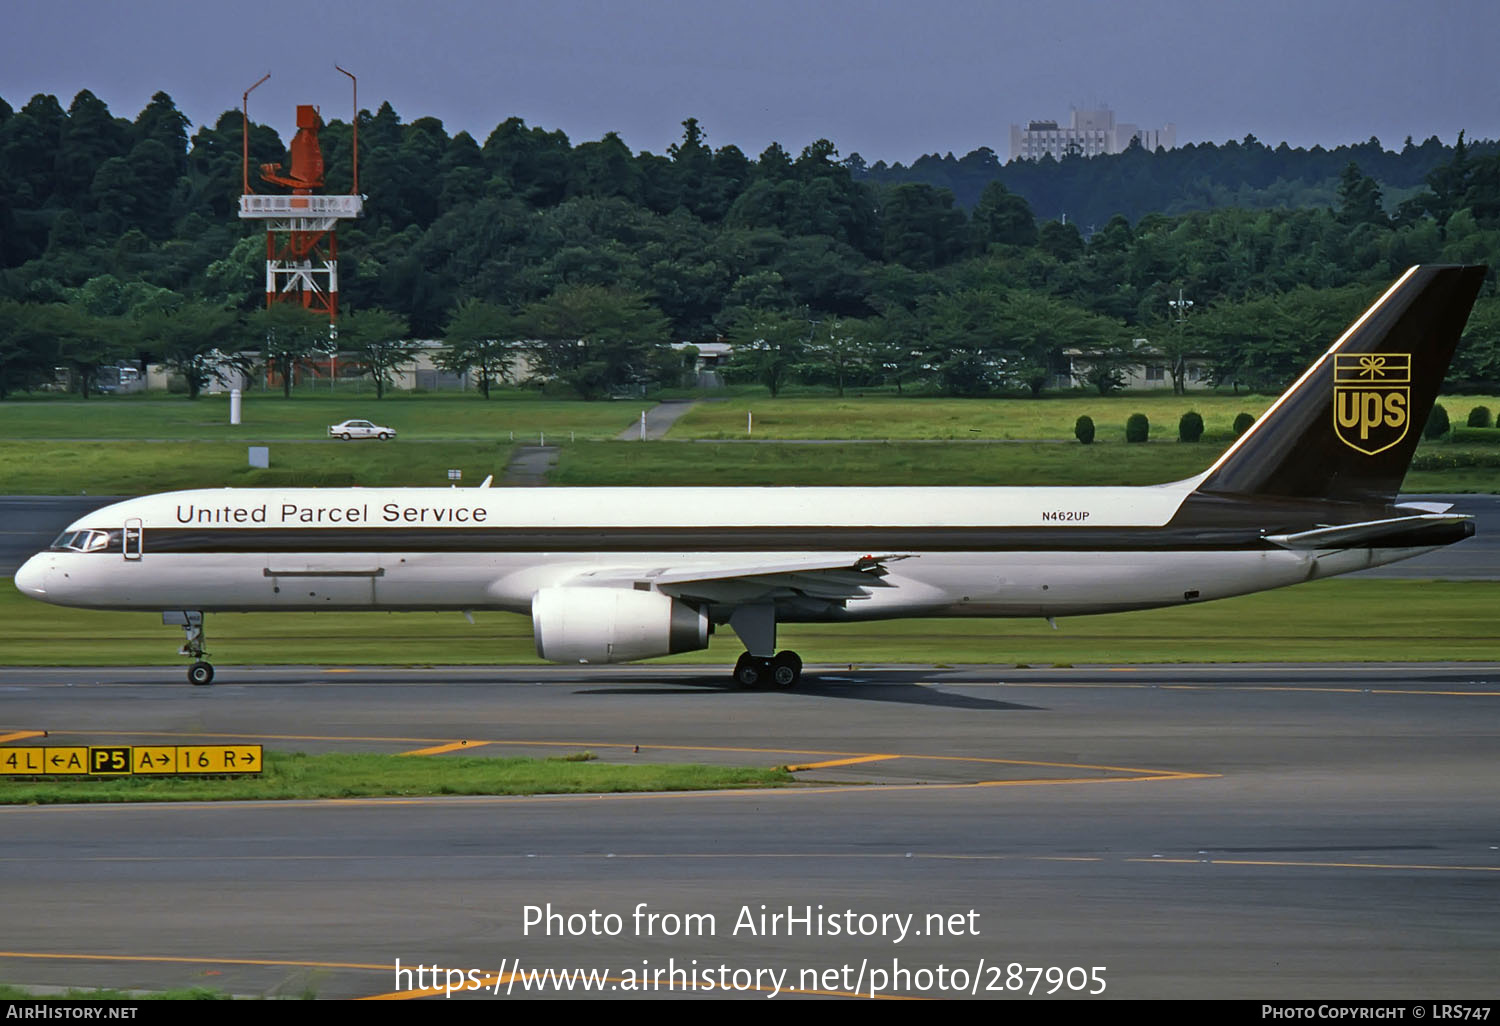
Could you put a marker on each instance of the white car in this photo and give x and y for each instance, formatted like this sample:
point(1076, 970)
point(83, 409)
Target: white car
point(360, 429)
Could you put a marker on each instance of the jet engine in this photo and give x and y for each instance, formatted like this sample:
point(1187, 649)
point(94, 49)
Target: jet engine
point(613, 625)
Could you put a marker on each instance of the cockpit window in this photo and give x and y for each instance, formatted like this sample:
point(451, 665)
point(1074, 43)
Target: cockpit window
point(86, 541)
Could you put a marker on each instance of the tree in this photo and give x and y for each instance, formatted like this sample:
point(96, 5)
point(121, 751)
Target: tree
point(1359, 198)
point(85, 342)
point(767, 345)
point(837, 349)
point(1105, 360)
point(191, 340)
point(1001, 217)
point(920, 227)
point(960, 340)
point(596, 340)
point(1035, 330)
point(477, 335)
point(289, 335)
point(28, 347)
point(376, 339)
point(1060, 241)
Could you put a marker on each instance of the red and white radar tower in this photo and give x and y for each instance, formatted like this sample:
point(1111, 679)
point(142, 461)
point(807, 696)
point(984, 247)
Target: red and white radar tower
point(302, 249)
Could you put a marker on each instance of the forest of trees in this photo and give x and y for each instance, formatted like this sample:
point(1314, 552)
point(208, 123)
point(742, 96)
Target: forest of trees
point(119, 240)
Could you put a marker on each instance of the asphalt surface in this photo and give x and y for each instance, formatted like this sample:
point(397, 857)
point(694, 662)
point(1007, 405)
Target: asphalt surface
point(658, 420)
point(1267, 832)
point(29, 523)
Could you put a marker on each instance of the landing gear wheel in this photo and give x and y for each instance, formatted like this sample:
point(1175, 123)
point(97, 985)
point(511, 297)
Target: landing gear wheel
point(201, 673)
point(786, 669)
point(750, 672)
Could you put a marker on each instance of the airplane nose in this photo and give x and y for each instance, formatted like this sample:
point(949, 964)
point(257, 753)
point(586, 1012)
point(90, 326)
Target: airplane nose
point(31, 579)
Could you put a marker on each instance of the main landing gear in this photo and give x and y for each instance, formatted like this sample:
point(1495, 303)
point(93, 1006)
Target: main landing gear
point(756, 626)
point(784, 670)
point(191, 622)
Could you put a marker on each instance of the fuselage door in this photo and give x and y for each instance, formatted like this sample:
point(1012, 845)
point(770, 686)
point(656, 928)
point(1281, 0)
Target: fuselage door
point(134, 538)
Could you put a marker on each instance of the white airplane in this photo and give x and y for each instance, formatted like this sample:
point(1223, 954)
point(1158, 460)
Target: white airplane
point(616, 574)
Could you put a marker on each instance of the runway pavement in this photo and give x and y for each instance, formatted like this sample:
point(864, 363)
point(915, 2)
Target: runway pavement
point(1268, 832)
point(28, 523)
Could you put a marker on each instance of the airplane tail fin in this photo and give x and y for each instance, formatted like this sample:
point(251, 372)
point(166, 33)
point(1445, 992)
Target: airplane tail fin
point(1346, 430)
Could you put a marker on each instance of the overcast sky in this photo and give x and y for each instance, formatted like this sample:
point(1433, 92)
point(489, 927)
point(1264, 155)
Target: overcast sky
point(890, 79)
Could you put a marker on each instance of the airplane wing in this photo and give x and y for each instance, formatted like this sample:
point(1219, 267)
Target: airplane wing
point(737, 581)
point(1413, 532)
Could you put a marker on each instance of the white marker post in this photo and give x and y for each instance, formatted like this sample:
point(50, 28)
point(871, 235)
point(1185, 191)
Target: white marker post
point(643, 425)
point(749, 422)
point(234, 406)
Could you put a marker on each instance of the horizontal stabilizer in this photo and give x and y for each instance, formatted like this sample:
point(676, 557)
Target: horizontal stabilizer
point(1397, 532)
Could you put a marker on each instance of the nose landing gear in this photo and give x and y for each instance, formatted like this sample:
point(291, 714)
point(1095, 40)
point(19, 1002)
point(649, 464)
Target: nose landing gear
point(191, 622)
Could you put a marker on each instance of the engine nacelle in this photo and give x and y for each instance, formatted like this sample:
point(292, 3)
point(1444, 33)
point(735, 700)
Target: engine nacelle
point(613, 625)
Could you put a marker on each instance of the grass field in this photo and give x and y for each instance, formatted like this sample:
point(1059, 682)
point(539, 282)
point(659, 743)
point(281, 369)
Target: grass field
point(908, 463)
point(1344, 619)
point(122, 446)
point(139, 467)
point(928, 463)
point(266, 416)
point(893, 417)
point(298, 775)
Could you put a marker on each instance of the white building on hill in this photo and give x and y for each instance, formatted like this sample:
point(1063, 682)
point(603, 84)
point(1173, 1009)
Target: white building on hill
point(1089, 133)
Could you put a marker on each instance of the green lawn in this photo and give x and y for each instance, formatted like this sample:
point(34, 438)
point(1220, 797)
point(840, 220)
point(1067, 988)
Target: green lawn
point(140, 467)
point(879, 463)
point(894, 417)
point(1344, 619)
point(1463, 468)
point(299, 776)
point(49, 446)
point(267, 416)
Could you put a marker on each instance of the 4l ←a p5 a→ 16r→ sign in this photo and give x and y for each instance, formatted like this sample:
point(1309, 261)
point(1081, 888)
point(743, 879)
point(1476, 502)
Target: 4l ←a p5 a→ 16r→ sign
point(128, 760)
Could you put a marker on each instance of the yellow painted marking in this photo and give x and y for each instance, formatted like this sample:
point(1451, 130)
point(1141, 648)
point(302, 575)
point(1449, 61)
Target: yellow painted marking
point(451, 747)
point(20, 735)
point(627, 744)
point(841, 762)
point(434, 746)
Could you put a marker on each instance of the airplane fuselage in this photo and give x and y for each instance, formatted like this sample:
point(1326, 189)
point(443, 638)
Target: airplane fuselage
point(983, 551)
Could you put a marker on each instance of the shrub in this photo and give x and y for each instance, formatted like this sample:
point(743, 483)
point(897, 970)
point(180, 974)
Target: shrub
point(1242, 424)
point(1083, 430)
point(1190, 427)
point(1137, 428)
point(1479, 416)
point(1437, 423)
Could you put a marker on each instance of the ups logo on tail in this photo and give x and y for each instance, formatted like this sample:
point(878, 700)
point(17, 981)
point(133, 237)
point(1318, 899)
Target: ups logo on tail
point(1371, 400)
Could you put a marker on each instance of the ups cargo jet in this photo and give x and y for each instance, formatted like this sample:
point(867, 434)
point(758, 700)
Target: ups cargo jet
point(615, 574)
